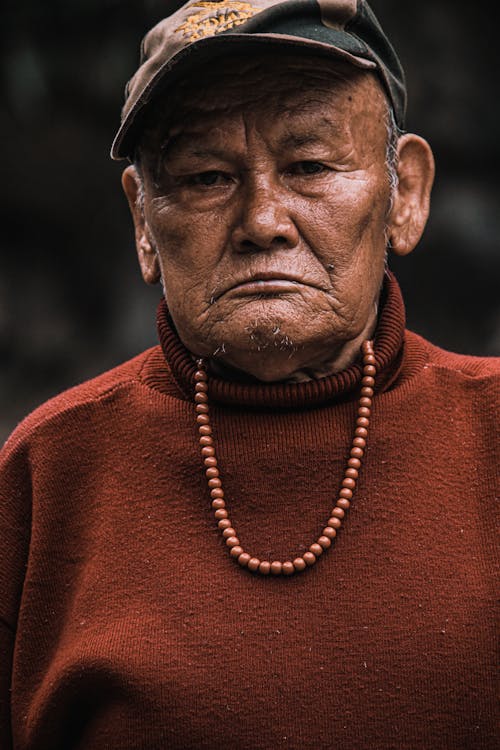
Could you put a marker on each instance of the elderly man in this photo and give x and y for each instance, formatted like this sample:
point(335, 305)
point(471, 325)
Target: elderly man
point(275, 528)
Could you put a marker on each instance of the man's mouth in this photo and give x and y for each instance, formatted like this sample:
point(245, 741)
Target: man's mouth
point(265, 284)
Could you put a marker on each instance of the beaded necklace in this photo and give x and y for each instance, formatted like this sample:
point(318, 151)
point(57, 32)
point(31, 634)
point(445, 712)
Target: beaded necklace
point(351, 473)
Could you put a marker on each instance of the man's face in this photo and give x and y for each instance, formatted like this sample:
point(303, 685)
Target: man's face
point(266, 202)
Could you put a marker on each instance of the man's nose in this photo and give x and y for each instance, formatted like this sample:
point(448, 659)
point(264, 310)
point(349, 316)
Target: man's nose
point(264, 220)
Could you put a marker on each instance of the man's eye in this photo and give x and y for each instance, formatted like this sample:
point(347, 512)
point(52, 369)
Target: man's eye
point(208, 179)
point(307, 167)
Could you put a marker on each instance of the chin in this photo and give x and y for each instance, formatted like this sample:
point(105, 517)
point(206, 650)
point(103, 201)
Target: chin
point(268, 338)
point(264, 332)
point(269, 350)
point(267, 324)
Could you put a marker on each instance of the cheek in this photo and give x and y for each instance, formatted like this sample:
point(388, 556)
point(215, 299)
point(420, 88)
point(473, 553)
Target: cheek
point(189, 248)
point(349, 224)
point(172, 231)
point(189, 245)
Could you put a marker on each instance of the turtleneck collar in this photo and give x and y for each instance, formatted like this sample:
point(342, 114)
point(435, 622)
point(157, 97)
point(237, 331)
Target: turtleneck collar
point(388, 343)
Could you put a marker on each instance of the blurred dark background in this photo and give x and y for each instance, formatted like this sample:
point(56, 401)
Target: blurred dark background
point(72, 302)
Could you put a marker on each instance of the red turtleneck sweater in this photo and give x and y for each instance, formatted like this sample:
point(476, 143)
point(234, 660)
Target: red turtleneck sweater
point(125, 625)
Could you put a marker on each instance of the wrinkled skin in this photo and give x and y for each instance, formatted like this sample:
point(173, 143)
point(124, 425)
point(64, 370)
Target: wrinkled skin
point(267, 211)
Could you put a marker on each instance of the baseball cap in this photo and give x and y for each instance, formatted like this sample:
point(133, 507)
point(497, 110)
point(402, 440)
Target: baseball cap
point(203, 29)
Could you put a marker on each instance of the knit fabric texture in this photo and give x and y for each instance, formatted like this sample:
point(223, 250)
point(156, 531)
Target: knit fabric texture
point(125, 624)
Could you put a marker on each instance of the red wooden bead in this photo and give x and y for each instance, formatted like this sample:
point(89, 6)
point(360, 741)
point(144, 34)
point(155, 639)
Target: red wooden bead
point(232, 541)
point(361, 432)
point(309, 557)
point(236, 551)
point(224, 523)
point(299, 564)
point(348, 483)
point(218, 503)
point(345, 492)
point(210, 461)
point(369, 359)
point(325, 541)
point(228, 532)
point(334, 523)
point(200, 375)
point(204, 429)
point(365, 402)
point(207, 450)
point(338, 513)
point(201, 409)
point(243, 559)
point(369, 371)
point(352, 473)
point(355, 463)
point(329, 532)
point(200, 398)
point(316, 549)
point(206, 440)
point(342, 502)
point(367, 392)
point(214, 482)
point(212, 472)
point(364, 411)
point(358, 442)
point(357, 452)
point(201, 386)
point(265, 567)
point(288, 568)
point(367, 381)
point(221, 513)
point(203, 419)
point(276, 568)
point(363, 422)
point(253, 564)
point(216, 492)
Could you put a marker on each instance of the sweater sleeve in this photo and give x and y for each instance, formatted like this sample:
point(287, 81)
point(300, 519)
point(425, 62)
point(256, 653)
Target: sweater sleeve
point(15, 514)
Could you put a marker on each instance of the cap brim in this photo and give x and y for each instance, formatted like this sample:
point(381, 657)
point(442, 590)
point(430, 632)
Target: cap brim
point(203, 50)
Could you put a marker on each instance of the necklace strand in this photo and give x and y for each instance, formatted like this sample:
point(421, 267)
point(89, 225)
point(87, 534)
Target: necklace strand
point(345, 494)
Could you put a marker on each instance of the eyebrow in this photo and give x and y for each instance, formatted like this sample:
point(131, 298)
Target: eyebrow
point(296, 140)
point(189, 143)
point(322, 125)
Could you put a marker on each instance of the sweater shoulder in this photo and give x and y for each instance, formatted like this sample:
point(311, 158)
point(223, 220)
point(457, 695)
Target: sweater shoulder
point(84, 394)
point(466, 365)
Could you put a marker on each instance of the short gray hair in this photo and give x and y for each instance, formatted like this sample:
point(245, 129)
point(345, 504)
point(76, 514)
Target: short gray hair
point(391, 152)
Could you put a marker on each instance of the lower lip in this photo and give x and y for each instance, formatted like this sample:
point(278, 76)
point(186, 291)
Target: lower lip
point(268, 286)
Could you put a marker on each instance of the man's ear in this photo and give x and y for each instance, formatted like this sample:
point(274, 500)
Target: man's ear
point(410, 209)
point(148, 258)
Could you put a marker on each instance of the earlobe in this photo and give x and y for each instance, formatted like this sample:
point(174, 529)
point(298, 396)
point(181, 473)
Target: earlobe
point(146, 252)
point(410, 209)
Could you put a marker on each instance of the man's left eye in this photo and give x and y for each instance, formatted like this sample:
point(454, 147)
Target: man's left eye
point(208, 179)
point(307, 168)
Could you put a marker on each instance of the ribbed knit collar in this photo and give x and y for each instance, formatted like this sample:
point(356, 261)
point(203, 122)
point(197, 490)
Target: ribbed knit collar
point(388, 344)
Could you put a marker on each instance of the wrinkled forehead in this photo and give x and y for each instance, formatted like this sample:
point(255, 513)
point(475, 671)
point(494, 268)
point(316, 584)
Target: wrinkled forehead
point(279, 87)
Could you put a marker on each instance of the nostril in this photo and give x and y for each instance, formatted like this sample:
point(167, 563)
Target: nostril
point(249, 246)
